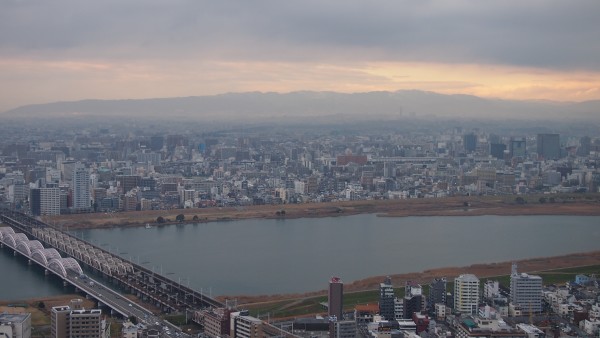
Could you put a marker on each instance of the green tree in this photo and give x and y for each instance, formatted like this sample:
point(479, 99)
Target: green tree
point(180, 218)
point(160, 219)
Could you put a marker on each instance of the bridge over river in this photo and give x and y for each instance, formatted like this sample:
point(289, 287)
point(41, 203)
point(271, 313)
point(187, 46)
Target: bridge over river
point(64, 255)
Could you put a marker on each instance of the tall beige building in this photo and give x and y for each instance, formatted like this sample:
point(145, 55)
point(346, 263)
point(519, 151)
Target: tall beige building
point(73, 320)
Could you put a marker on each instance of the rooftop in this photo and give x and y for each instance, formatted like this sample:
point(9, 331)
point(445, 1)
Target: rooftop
point(14, 317)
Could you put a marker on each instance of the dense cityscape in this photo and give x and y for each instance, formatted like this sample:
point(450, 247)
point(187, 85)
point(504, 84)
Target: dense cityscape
point(299, 169)
point(106, 170)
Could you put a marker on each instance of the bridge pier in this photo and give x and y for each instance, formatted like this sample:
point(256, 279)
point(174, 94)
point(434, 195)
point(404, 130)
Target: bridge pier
point(46, 272)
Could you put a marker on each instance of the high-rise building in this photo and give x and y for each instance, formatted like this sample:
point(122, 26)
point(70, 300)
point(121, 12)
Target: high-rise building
point(497, 150)
point(413, 299)
point(517, 147)
point(44, 201)
point(470, 142)
point(81, 187)
point(526, 291)
point(548, 146)
point(585, 145)
point(386, 299)
point(336, 298)
point(437, 292)
point(74, 321)
point(466, 294)
point(157, 142)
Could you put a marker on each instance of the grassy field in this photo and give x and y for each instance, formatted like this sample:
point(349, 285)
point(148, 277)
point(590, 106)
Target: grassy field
point(313, 305)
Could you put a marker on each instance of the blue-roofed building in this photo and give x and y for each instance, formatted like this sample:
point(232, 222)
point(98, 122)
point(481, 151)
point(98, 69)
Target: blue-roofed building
point(582, 279)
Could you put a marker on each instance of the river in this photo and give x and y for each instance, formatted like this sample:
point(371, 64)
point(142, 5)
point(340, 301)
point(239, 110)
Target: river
point(260, 256)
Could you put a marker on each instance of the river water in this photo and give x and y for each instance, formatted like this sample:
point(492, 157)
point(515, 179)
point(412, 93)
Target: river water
point(19, 281)
point(298, 255)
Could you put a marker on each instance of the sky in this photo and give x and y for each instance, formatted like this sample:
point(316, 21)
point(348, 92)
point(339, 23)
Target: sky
point(64, 50)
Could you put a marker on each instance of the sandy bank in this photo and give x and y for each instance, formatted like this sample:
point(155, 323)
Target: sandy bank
point(579, 204)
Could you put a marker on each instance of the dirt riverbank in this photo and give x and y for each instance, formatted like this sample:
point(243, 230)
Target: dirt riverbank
point(577, 204)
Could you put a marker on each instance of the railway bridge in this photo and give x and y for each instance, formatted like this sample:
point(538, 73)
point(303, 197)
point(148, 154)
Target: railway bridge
point(60, 252)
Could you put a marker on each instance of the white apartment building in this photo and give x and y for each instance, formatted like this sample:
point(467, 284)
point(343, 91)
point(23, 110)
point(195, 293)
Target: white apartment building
point(526, 292)
point(466, 294)
point(81, 187)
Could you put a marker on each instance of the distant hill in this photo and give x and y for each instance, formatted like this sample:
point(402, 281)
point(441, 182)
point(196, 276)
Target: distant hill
point(253, 106)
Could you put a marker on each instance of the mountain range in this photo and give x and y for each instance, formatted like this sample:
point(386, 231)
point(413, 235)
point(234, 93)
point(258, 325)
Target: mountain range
point(255, 106)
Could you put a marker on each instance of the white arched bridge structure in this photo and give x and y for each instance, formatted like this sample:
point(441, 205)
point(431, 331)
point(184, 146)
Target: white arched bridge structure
point(35, 251)
point(97, 258)
point(64, 255)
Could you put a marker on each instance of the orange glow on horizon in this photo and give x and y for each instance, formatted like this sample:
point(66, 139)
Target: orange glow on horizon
point(37, 81)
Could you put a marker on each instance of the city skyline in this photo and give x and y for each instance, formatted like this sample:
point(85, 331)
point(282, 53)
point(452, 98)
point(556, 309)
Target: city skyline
point(70, 51)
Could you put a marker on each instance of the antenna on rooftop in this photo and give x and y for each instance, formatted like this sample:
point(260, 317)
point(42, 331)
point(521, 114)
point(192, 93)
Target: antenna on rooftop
point(513, 270)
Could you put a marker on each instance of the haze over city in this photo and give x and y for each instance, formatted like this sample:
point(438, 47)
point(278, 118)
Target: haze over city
point(71, 50)
point(314, 169)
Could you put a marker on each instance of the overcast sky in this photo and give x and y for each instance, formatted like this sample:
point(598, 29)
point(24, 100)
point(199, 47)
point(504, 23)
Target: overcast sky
point(69, 50)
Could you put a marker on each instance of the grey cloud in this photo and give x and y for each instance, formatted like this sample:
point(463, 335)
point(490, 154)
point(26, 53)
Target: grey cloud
point(547, 34)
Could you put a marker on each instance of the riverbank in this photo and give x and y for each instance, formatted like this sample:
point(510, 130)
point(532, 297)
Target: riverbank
point(361, 291)
point(571, 204)
point(366, 290)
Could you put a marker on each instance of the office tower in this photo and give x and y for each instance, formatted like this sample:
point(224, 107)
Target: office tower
point(585, 145)
point(157, 142)
point(336, 298)
point(44, 201)
point(437, 292)
point(413, 299)
point(466, 294)
point(497, 150)
point(517, 147)
point(526, 291)
point(386, 299)
point(548, 146)
point(470, 142)
point(81, 187)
